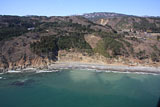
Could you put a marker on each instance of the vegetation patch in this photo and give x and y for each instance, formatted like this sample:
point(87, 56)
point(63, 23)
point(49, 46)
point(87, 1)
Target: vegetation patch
point(154, 57)
point(13, 26)
point(47, 46)
point(110, 47)
point(68, 42)
point(146, 26)
point(141, 55)
point(52, 44)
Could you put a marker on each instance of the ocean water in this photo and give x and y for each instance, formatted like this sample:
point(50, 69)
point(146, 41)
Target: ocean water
point(79, 88)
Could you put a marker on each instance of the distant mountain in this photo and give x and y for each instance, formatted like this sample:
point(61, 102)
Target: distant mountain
point(105, 15)
point(125, 22)
point(99, 15)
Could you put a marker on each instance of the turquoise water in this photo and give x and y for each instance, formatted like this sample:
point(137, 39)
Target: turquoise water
point(79, 88)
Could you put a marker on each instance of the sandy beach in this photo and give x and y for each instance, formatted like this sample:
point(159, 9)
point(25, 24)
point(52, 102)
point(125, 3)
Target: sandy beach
point(101, 67)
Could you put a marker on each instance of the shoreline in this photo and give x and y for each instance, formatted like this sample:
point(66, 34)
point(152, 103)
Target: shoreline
point(89, 66)
point(107, 67)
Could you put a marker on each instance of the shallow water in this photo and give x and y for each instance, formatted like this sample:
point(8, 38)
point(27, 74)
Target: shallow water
point(79, 88)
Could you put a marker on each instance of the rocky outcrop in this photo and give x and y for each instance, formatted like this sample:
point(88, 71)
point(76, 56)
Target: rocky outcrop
point(37, 62)
point(16, 53)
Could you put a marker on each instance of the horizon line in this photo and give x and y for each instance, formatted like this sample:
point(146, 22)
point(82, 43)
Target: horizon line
point(79, 14)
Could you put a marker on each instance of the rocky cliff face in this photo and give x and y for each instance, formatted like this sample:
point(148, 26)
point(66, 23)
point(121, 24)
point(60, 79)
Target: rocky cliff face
point(16, 53)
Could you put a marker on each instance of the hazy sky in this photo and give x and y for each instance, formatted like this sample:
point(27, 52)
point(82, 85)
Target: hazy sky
point(70, 7)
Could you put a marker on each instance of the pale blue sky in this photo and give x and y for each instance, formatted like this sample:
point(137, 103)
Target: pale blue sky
point(70, 7)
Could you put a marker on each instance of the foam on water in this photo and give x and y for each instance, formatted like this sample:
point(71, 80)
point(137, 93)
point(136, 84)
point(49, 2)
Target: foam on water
point(1, 73)
point(13, 71)
point(43, 71)
point(127, 72)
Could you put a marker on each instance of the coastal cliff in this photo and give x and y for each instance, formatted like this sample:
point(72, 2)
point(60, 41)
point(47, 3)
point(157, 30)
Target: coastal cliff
point(37, 41)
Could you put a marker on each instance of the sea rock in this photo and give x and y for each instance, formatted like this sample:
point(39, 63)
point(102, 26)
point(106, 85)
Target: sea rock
point(23, 83)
